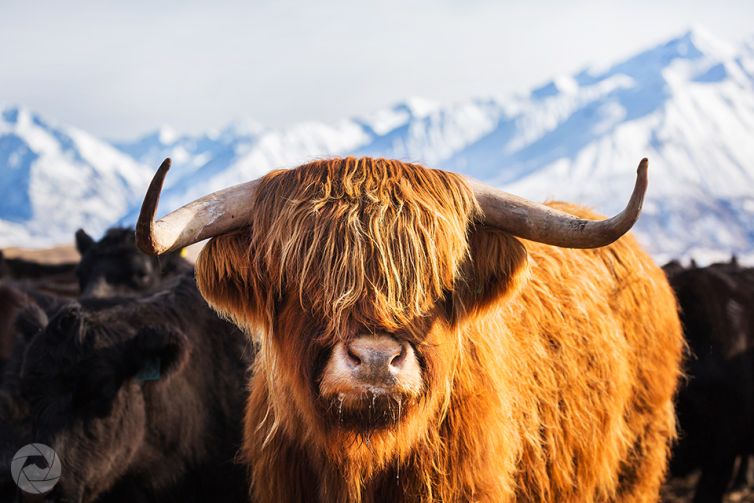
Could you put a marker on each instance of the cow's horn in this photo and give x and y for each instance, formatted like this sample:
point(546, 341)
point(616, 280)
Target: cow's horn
point(214, 214)
point(537, 222)
point(229, 209)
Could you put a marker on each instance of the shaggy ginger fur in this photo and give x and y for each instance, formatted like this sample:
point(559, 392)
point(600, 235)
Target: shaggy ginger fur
point(549, 373)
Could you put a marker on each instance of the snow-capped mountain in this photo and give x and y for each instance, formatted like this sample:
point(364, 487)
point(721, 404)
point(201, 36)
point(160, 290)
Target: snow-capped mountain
point(55, 179)
point(687, 104)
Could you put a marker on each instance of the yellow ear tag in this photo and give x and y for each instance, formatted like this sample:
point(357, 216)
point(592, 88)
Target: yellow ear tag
point(183, 252)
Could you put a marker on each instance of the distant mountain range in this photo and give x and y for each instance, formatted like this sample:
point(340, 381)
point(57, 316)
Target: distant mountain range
point(687, 104)
point(54, 179)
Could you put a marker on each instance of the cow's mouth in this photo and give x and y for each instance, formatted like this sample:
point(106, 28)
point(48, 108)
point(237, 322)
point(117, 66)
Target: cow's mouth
point(370, 409)
point(370, 382)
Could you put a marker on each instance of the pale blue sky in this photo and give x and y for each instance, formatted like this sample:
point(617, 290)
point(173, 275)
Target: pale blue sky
point(120, 69)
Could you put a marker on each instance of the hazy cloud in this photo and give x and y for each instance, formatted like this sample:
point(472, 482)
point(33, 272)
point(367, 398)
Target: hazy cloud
point(118, 69)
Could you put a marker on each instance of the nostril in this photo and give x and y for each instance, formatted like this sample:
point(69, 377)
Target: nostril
point(353, 358)
point(378, 354)
point(398, 359)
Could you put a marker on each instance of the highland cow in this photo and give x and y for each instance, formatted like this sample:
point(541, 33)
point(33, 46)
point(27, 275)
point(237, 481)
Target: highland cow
point(425, 338)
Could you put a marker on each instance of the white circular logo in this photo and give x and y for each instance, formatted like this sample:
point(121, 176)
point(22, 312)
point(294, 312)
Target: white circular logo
point(35, 468)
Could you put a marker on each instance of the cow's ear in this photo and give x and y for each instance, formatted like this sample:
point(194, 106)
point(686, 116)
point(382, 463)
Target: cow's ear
point(156, 353)
point(228, 281)
point(496, 267)
point(83, 241)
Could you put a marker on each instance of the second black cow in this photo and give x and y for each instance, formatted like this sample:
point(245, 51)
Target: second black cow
point(141, 398)
point(716, 403)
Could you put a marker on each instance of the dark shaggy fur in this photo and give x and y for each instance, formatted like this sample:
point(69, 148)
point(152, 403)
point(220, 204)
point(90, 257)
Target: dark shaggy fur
point(14, 298)
point(12, 301)
point(716, 402)
point(87, 381)
point(14, 414)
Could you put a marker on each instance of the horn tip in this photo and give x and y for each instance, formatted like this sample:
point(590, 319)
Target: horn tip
point(145, 233)
point(643, 165)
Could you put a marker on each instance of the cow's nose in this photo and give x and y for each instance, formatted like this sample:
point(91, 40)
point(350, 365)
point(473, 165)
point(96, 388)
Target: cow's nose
point(376, 358)
point(371, 362)
point(97, 288)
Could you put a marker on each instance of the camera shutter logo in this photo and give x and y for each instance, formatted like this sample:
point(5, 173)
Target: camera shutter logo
point(29, 476)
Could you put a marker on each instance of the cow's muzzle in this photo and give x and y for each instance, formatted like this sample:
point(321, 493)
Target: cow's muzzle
point(372, 363)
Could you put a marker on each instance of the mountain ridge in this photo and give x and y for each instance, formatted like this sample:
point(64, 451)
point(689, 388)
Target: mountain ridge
point(55, 178)
point(686, 103)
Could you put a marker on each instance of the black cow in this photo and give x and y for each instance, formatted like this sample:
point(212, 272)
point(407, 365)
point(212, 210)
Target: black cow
point(15, 296)
point(141, 398)
point(12, 300)
point(14, 432)
point(55, 279)
point(114, 266)
point(15, 427)
point(716, 404)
